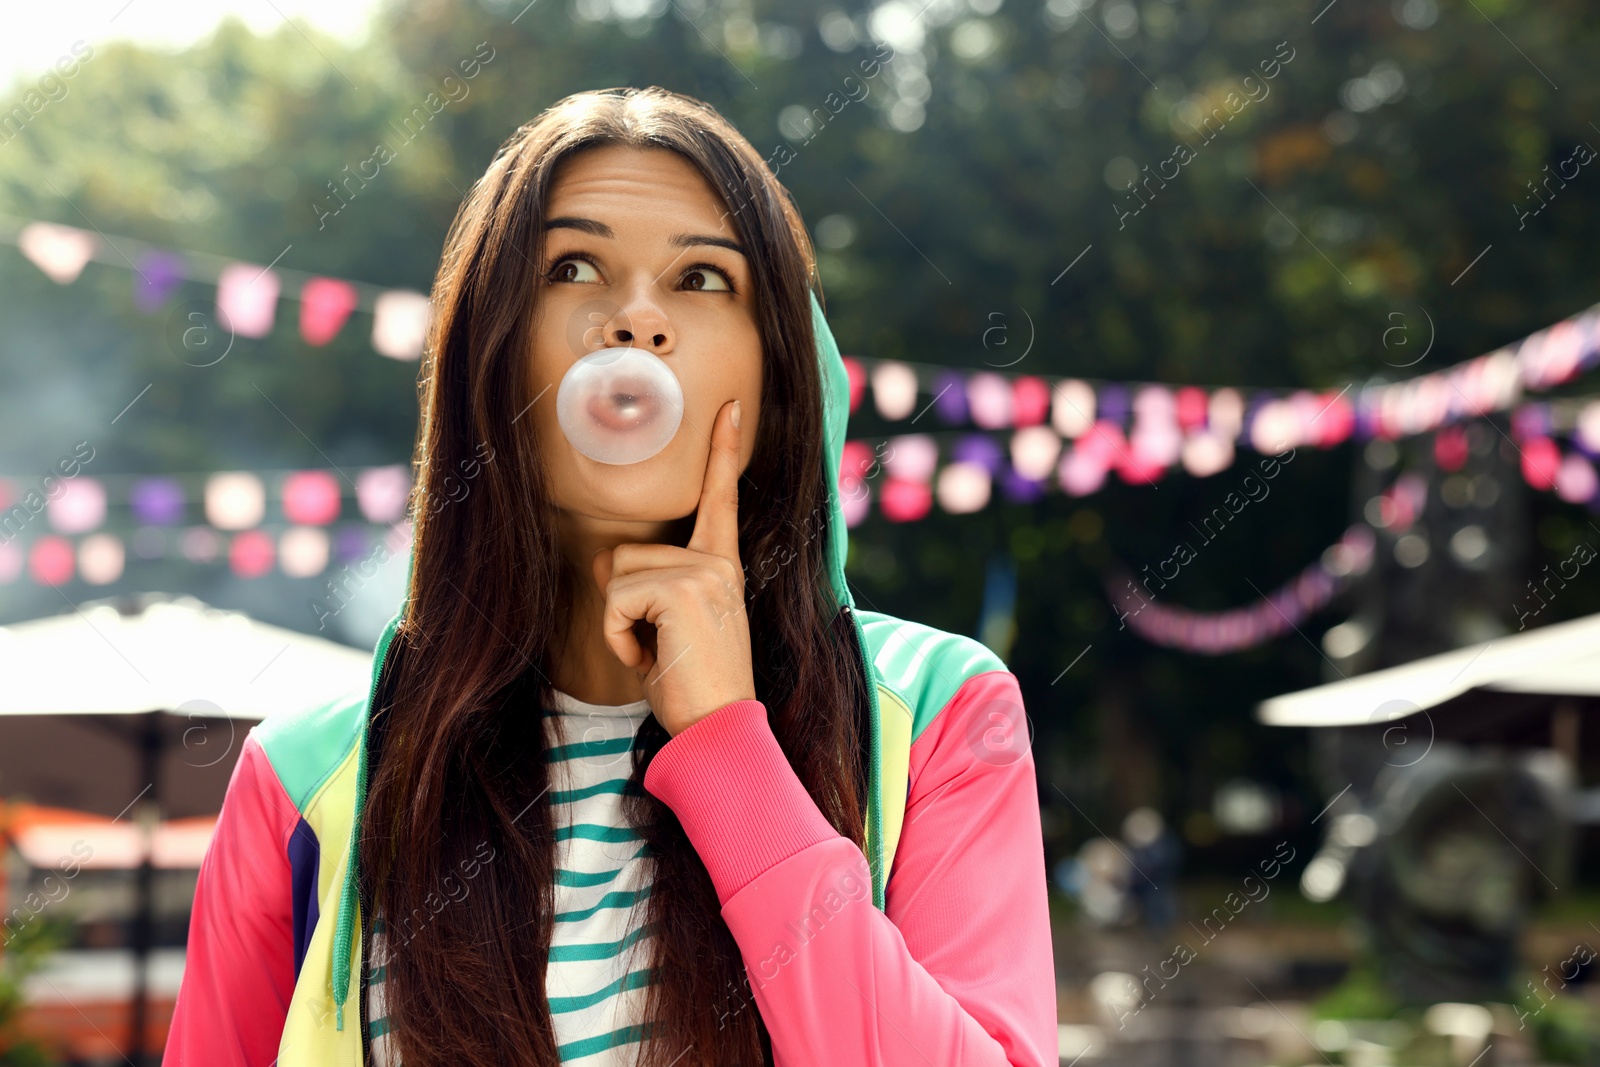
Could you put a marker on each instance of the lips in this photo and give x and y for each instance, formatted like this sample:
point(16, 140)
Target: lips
point(626, 405)
point(619, 405)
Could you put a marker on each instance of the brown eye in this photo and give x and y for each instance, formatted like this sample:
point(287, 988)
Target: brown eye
point(570, 270)
point(697, 277)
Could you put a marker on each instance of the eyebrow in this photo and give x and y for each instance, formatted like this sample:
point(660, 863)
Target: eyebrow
point(600, 229)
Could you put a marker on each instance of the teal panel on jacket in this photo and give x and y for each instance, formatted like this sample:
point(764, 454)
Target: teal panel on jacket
point(306, 745)
point(923, 666)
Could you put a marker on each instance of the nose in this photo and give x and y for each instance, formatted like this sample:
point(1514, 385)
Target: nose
point(640, 324)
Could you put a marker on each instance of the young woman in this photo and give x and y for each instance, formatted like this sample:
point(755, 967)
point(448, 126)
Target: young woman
point(635, 782)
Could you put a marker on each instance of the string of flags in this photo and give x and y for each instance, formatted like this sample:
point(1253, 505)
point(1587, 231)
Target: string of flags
point(1216, 633)
point(292, 551)
point(248, 294)
point(298, 523)
point(1537, 430)
point(1073, 433)
point(1017, 435)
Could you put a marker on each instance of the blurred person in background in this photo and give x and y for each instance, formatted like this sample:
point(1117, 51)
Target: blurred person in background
point(1153, 851)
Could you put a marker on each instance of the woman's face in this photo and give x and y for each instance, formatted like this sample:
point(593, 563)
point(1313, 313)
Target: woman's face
point(632, 259)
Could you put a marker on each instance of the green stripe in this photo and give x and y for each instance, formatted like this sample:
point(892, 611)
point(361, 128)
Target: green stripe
point(590, 831)
point(590, 1045)
point(618, 899)
point(582, 749)
point(631, 980)
point(377, 1028)
point(599, 950)
point(614, 785)
point(585, 879)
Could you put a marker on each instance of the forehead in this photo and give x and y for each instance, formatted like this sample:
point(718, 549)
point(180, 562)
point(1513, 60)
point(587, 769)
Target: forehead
point(642, 185)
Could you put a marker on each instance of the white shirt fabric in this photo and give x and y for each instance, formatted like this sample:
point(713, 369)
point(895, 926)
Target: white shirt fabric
point(599, 950)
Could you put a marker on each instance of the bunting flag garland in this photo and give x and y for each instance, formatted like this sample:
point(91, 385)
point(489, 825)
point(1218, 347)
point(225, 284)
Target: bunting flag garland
point(298, 523)
point(325, 304)
point(400, 324)
point(157, 277)
point(247, 294)
point(60, 251)
point(247, 297)
point(101, 558)
point(1570, 475)
point(1169, 423)
point(907, 475)
point(1074, 433)
point(1015, 436)
point(318, 529)
point(1219, 633)
point(1272, 420)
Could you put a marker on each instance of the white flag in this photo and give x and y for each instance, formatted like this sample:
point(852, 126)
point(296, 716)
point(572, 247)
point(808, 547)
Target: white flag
point(400, 320)
point(59, 251)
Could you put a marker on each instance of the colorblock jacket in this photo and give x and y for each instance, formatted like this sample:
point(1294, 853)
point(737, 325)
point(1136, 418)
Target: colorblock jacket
point(949, 962)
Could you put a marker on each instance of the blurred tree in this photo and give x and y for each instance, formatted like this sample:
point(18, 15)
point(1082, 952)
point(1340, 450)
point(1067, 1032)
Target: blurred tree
point(26, 951)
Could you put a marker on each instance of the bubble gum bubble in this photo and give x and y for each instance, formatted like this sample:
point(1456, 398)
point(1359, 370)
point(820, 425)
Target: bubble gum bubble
point(619, 405)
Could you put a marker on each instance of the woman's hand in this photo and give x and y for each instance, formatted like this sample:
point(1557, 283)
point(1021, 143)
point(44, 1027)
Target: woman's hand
point(694, 596)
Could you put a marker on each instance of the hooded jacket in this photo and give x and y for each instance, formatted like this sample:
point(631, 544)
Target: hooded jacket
point(949, 962)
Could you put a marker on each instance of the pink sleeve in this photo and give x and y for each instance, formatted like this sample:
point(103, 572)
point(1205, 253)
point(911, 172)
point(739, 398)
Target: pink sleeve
point(239, 966)
point(959, 971)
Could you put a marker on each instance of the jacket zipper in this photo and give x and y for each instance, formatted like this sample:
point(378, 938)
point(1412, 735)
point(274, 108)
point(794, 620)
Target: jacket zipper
point(366, 920)
point(874, 783)
point(366, 1045)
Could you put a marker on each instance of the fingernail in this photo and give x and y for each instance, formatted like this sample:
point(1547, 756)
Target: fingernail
point(736, 414)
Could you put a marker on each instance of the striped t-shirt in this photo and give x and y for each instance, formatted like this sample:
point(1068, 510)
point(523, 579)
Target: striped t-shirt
point(599, 951)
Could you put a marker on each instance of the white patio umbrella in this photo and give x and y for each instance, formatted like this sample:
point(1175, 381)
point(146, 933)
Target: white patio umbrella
point(86, 688)
point(141, 704)
point(1562, 659)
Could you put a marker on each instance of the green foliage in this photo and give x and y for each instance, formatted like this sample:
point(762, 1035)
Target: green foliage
point(1568, 1032)
point(1565, 1027)
point(1361, 995)
point(23, 955)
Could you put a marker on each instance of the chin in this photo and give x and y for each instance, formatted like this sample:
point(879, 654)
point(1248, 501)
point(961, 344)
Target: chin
point(664, 488)
point(638, 492)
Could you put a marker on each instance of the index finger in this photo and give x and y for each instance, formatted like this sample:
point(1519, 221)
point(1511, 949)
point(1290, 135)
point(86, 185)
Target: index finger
point(716, 522)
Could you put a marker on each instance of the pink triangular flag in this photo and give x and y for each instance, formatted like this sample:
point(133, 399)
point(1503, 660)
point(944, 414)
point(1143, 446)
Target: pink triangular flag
point(325, 304)
point(59, 251)
point(247, 296)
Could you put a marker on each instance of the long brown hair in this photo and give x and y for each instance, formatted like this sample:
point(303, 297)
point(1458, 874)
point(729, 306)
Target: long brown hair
point(458, 773)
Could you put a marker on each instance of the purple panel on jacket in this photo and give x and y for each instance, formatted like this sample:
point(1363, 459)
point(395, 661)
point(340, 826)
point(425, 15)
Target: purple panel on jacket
point(304, 859)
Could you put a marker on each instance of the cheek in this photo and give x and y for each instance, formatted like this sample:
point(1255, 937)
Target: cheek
point(547, 362)
point(706, 401)
point(750, 421)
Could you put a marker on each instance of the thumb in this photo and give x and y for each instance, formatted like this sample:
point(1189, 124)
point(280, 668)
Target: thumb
point(602, 569)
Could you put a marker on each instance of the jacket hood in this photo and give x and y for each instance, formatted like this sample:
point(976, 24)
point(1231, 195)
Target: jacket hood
point(836, 417)
point(836, 420)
